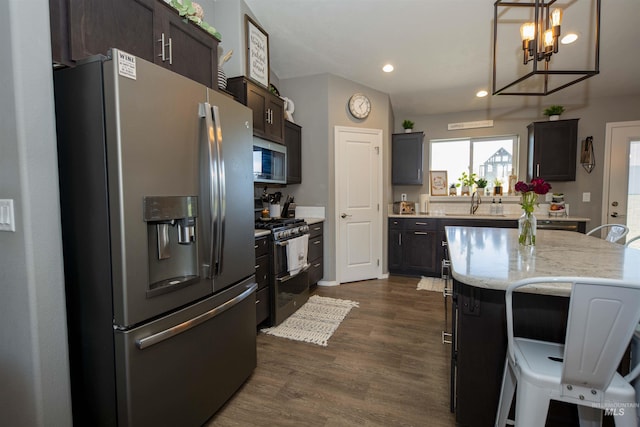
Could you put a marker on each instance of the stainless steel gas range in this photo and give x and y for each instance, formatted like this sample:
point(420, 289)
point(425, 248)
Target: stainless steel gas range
point(288, 279)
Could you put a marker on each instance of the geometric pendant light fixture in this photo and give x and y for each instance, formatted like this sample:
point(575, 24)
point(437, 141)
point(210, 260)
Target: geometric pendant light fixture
point(530, 56)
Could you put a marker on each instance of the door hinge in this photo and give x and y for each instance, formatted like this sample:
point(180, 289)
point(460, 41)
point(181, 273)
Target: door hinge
point(378, 150)
point(378, 207)
point(378, 263)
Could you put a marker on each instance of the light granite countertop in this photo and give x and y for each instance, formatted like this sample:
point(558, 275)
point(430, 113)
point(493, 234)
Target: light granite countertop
point(485, 217)
point(492, 258)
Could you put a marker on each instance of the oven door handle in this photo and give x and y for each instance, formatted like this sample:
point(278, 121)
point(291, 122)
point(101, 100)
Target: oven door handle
point(289, 276)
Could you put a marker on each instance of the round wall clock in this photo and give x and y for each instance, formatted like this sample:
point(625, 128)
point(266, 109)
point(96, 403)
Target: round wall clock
point(359, 106)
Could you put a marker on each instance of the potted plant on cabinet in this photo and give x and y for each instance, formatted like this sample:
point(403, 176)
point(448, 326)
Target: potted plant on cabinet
point(408, 126)
point(481, 183)
point(466, 182)
point(497, 187)
point(554, 112)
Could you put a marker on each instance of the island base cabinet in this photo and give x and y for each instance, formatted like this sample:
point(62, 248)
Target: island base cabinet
point(481, 346)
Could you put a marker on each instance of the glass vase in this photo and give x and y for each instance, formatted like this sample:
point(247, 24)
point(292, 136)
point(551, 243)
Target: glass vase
point(527, 225)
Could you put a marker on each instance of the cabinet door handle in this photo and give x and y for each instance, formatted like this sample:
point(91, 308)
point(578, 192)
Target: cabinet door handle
point(420, 233)
point(446, 335)
point(317, 242)
point(421, 223)
point(537, 170)
point(170, 51)
point(162, 45)
point(400, 239)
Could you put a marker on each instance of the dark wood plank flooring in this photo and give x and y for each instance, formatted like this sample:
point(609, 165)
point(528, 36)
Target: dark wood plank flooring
point(384, 366)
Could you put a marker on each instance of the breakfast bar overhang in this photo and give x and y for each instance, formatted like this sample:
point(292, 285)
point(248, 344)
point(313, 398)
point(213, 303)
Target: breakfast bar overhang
point(484, 261)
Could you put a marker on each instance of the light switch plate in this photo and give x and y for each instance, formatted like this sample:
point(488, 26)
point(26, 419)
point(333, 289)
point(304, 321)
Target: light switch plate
point(7, 220)
point(586, 197)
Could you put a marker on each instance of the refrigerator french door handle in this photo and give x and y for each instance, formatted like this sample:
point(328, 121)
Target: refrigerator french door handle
point(222, 193)
point(147, 342)
point(212, 179)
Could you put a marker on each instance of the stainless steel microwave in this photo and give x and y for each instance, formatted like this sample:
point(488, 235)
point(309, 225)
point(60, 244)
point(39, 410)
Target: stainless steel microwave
point(269, 162)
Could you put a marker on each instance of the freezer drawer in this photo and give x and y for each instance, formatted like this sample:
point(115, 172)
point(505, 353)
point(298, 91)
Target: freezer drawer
point(156, 379)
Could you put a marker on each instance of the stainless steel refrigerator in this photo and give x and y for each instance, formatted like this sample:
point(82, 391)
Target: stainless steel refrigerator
point(157, 218)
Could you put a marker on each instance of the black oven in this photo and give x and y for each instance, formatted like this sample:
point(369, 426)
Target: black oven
point(288, 291)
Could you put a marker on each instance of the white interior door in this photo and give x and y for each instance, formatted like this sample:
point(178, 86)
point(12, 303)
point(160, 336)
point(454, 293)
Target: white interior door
point(358, 196)
point(621, 192)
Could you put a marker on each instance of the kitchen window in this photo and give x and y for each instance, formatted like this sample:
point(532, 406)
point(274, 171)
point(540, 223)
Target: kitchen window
point(490, 158)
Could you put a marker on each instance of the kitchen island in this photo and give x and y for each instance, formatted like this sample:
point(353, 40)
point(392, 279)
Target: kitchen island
point(417, 243)
point(484, 261)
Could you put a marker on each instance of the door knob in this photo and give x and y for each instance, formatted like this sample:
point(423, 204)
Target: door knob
point(614, 204)
point(344, 215)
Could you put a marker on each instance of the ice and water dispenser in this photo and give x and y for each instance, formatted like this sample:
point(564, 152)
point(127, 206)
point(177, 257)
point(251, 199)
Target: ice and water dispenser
point(171, 236)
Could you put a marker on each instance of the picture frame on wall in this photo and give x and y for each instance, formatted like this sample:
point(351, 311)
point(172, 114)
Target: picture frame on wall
point(439, 184)
point(257, 41)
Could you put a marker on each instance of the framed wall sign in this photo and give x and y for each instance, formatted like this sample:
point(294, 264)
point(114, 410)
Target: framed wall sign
point(257, 52)
point(439, 183)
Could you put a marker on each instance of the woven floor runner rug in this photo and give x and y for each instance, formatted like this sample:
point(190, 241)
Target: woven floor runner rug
point(314, 322)
point(431, 284)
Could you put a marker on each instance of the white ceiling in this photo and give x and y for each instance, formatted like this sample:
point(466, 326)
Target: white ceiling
point(441, 50)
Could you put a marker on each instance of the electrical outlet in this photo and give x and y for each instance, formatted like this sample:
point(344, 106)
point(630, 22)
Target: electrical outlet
point(586, 197)
point(403, 197)
point(548, 197)
point(7, 221)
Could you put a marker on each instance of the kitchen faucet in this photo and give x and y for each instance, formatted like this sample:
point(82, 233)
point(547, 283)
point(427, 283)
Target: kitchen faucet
point(475, 202)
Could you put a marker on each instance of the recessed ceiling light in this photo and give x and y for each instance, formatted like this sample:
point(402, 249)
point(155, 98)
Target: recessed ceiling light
point(387, 68)
point(569, 38)
point(482, 93)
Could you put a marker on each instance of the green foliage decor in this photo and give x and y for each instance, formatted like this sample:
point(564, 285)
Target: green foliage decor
point(468, 180)
point(481, 183)
point(554, 110)
point(186, 9)
point(407, 124)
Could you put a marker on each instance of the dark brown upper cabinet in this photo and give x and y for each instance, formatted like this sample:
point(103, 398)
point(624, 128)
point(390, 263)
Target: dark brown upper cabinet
point(268, 109)
point(406, 158)
point(293, 142)
point(148, 29)
point(552, 150)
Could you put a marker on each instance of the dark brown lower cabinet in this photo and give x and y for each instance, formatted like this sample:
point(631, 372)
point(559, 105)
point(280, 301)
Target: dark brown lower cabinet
point(315, 253)
point(262, 277)
point(412, 246)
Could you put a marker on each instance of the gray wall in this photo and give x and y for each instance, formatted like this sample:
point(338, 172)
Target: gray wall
point(593, 119)
point(34, 370)
point(320, 105)
point(228, 17)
